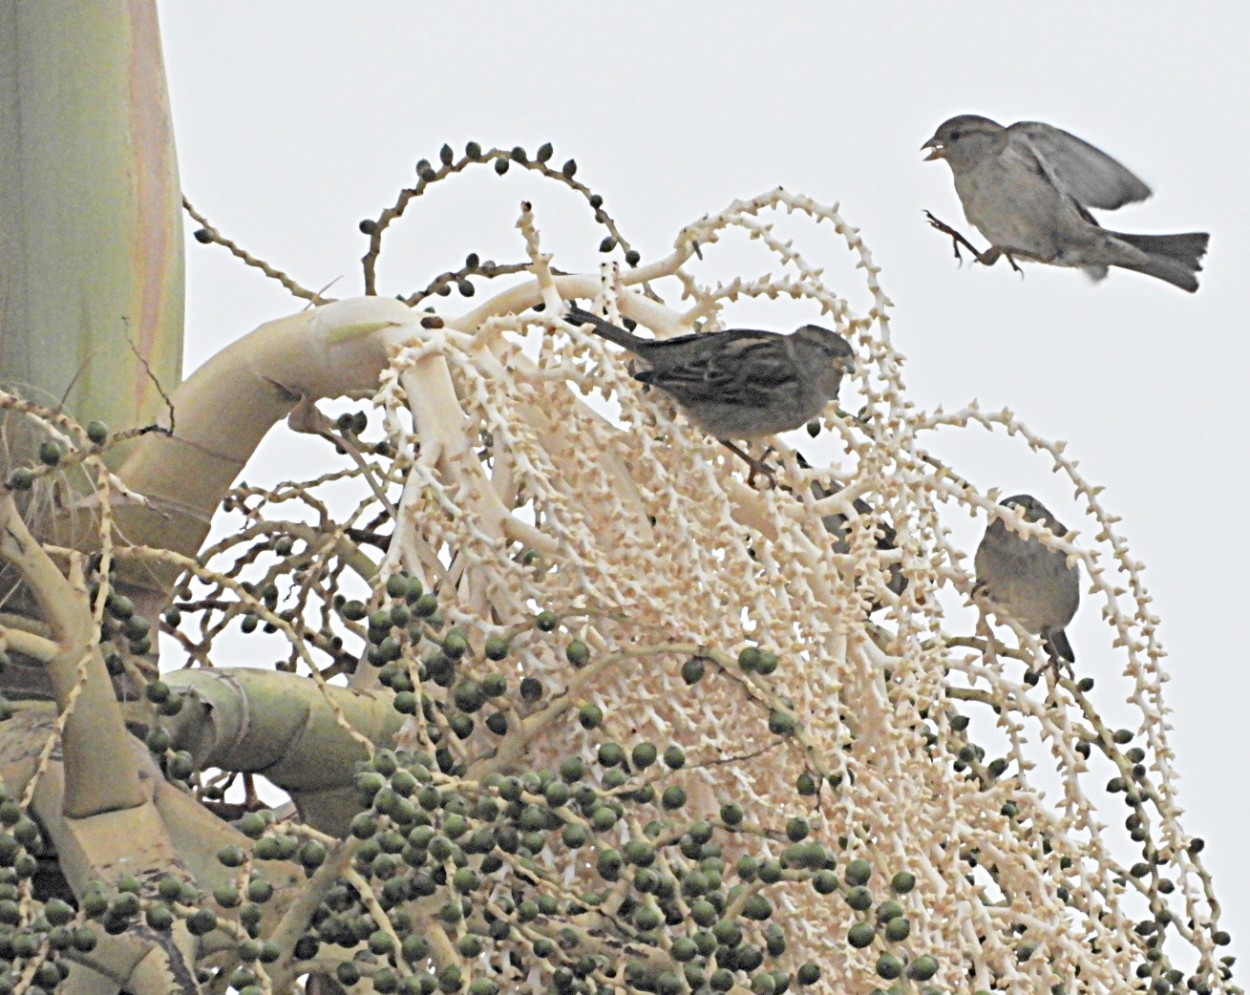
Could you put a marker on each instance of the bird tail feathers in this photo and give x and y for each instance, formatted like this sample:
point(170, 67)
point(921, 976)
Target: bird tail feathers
point(609, 331)
point(1057, 647)
point(1174, 258)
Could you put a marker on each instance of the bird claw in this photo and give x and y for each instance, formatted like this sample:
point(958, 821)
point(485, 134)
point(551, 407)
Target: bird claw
point(1059, 666)
point(991, 255)
point(987, 258)
point(957, 238)
point(757, 466)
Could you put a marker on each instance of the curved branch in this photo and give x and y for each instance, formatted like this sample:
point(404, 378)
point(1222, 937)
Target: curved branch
point(103, 776)
point(221, 413)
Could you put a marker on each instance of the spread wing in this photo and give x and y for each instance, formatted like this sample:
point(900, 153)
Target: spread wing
point(1086, 173)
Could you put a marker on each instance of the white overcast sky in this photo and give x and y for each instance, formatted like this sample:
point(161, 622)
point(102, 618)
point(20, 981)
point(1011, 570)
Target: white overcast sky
point(294, 120)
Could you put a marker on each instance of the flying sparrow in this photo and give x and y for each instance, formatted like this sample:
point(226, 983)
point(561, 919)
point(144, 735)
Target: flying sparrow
point(741, 383)
point(1028, 188)
point(1029, 581)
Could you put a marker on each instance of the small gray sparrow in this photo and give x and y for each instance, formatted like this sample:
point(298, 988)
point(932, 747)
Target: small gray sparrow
point(1028, 581)
point(741, 383)
point(1028, 188)
point(838, 526)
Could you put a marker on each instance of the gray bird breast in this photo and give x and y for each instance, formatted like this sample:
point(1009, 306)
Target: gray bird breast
point(1013, 206)
point(1032, 583)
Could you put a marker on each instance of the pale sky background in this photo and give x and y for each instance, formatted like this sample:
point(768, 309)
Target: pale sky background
point(294, 120)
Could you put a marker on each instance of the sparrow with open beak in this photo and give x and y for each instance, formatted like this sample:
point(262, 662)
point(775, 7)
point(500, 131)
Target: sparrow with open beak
point(1028, 189)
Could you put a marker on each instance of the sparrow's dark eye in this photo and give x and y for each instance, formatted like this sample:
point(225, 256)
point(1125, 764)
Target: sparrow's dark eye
point(955, 135)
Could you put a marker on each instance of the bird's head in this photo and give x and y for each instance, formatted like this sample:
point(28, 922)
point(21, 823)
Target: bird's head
point(830, 344)
point(1033, 511)
point(965, 139)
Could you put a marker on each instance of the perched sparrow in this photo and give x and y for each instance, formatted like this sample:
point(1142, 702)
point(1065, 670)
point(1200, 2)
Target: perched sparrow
point(837, 525)
point(739, 384)
point(1031, 583)
point(1027, 189)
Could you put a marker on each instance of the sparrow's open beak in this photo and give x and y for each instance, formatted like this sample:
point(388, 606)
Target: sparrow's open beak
point(937, 149)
